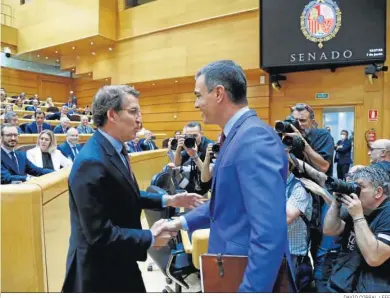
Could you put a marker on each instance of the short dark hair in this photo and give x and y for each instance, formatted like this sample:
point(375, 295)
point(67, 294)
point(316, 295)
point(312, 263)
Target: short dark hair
point(345, 131)
point(228, 74)
point(194, 124)
point(39, 112)
point(107, 98)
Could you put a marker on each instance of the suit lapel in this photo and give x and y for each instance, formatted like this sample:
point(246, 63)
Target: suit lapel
point(8, 161)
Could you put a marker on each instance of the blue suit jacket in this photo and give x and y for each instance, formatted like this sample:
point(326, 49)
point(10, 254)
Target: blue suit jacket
point(10, 172)
point(106, 238)
point(30, 108)
point(66, 151)
point(134, 148)
point(58, 129)
point(343, 155)
point(33, 128)
point(247, 210)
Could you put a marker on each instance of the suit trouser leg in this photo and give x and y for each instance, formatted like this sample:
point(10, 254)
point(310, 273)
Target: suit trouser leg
point(339, 171)
point(345, 170)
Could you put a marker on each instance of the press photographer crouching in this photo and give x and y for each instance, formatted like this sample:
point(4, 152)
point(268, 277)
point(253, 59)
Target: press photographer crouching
point(363, 263)
point(190, 153)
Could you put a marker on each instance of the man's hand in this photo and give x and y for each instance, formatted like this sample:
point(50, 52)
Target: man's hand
point(161, 234)
point(208, 153)
point(180, 144)
point(191, 151)
point(296, 133)
point(172, 225)
point(170, 144)
point(353, 205)
point(185, 200)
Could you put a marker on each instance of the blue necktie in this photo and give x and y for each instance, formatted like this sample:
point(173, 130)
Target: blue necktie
point(15, 160)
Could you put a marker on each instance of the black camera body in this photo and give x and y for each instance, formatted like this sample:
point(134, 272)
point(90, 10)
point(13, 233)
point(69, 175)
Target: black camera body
point(215, 149)
point(174, 144)
point(189, 141)
point(285, 125)
point(342, 187)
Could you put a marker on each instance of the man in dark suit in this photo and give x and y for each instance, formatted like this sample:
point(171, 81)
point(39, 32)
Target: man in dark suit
point(39, 124)
point(12, 118)
point(106, 238)
point(71, 147)
point(247, 210)
point(343, 159)
point(34, 107)
point(133, 145)
point(14, 165)
point(148, 143)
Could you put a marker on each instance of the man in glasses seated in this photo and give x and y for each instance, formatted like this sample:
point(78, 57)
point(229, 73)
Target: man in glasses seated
point(14, 165)
point(379, 154)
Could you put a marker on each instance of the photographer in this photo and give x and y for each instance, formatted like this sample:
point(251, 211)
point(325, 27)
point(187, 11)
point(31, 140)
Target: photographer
point(191, 151)
point(318, 142)
point(363, 264)
point(208, 164)
point(172, 146)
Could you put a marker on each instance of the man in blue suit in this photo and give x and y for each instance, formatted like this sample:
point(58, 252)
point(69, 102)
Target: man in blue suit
point(134, 145)
point(14, 165)
point(105, 202)
point(71, 147)
point(247, 210)
point(39, 124)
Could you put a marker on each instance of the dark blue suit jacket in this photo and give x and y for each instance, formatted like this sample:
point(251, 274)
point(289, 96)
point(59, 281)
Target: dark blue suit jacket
point(343, 155)
point(67, 151)
point(134, 148)
point(106, 238)
point(247, 210)
point(10, 172)
point(33, 127)
point(30, 108)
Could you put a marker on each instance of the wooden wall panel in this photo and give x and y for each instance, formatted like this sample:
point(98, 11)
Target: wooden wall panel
point(168, 107)
point(347, 87)
point(16, 81)
point(85, 90)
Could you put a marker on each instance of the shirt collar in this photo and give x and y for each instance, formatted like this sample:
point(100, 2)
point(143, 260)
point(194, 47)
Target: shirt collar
point(114, 142)
point(6, 150)
point(229, 125)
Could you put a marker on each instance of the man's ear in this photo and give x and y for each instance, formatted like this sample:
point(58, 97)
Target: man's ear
point(111, 115)
point(219, 92)
point(378, 193)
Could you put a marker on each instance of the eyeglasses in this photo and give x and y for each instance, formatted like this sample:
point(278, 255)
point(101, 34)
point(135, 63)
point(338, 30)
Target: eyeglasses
point(372, 149)
point(10, 135)
point(133, 112)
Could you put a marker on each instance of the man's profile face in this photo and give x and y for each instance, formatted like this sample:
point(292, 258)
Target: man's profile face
point(129, 118)
point(194, 131)
point(376, 152)
point(10, 137)
point(206, 101)
point(367, 195)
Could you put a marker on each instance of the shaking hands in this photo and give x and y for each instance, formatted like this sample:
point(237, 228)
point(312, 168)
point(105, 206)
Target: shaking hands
point(163, 231)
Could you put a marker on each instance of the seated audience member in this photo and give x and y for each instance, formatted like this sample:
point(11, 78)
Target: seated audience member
point(18, 106)
point(71, 147)
point(343, 159)
point(133, 146)
point(58, 115)
point(49, 102)
point(73, 110)
point(63, 126)
point(363, 224)
point(84, 127)
point(34, 107)
point(87, 111)
point(9, 108)
point(148, 143)
point(46, 155)
point(39, 124)
point(380, 154)
point(12, 119)
point(23, 98)
point(3, 95)
point(14, 164)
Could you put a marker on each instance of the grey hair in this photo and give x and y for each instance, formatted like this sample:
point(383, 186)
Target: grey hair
point(110, 98)
point(228, 74)
point(8, 116)
point(376, 176)
point(6, 125)
point(194, 124)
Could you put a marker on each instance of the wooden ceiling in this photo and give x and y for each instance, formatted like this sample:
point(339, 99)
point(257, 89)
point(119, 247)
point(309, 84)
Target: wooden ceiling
point(76, 49)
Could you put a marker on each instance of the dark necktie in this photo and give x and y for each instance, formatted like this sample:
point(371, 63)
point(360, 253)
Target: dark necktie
point(222, 139)
point(127, 158)
point(74, 150)
point(39, 128)
point(15, 160)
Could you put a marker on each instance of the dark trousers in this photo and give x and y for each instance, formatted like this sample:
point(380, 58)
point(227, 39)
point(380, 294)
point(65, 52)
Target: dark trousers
point(303, 272)
point(342, 171)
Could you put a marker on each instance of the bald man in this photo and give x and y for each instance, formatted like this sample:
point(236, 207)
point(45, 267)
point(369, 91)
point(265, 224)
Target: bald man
point(71, 147)
point(379, 153)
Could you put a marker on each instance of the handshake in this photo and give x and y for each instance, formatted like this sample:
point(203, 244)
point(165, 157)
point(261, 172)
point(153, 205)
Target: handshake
point(163, 231)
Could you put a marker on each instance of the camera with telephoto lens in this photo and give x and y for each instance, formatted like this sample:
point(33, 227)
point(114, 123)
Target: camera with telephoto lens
point(174, 144)
point(285, 125)
point(342, 187)
point(215, 150)
point(189, 141)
